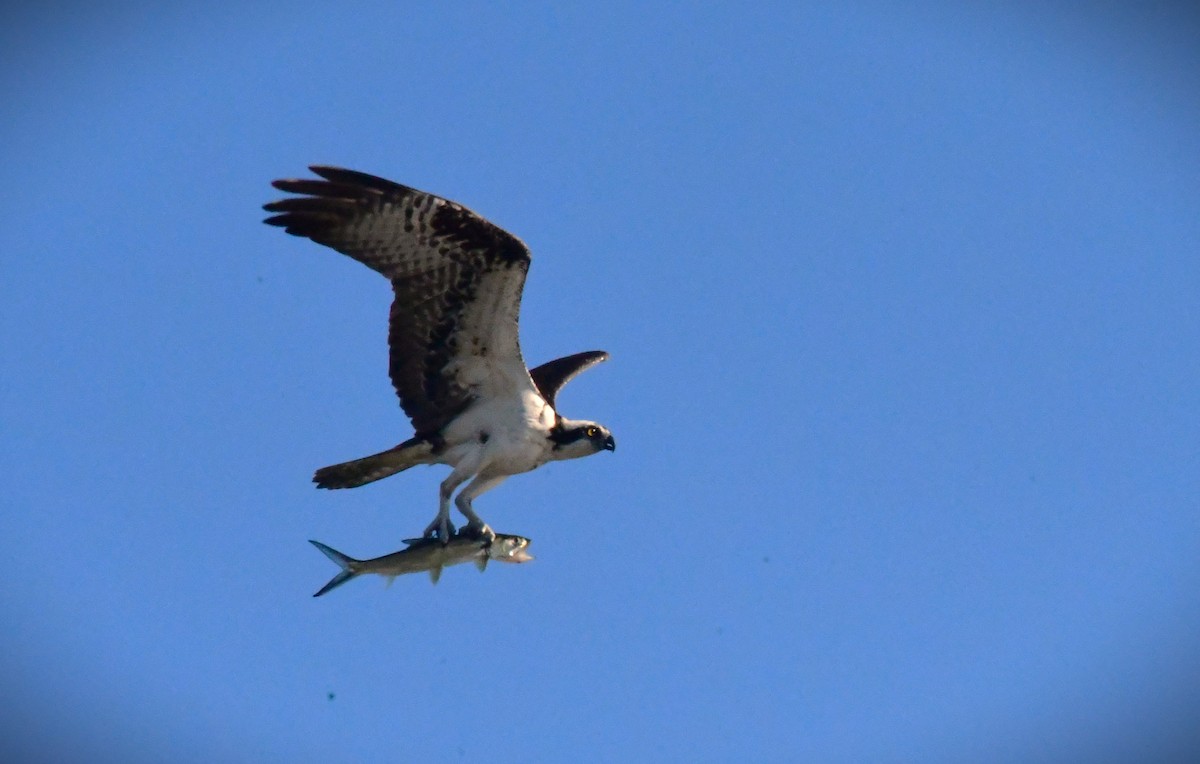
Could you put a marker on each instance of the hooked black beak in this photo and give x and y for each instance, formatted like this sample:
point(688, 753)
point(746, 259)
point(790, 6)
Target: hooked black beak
point(610, 444)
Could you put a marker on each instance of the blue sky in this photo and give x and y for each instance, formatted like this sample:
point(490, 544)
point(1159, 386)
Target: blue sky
point(902, 310)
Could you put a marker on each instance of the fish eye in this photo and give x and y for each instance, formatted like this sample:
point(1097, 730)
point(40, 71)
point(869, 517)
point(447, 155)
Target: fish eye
point(591, 432)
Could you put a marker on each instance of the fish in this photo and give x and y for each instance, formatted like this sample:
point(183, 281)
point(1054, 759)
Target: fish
point(428, 554)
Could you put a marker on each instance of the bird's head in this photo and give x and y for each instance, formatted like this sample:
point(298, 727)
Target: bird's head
point(573, 439)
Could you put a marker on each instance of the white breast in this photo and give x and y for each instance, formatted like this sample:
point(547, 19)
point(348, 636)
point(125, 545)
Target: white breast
point(512, 433)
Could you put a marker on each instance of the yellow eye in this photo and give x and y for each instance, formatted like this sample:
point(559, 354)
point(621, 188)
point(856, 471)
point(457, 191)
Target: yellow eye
point(591, 432)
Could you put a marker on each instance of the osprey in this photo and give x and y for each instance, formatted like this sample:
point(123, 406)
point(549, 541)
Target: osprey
point(455, 359)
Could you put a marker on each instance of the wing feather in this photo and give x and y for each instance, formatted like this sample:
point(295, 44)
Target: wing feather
point(552, 376)
point(456, 279)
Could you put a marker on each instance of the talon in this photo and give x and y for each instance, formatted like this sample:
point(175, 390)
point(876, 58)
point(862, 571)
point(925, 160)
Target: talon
point(441, 529)
point(481, 530)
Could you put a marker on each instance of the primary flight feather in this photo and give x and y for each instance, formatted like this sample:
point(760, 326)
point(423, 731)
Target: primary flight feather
point(455, 358)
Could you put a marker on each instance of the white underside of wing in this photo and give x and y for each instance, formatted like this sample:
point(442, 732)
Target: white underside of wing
point(505, 428)
point(489, 361)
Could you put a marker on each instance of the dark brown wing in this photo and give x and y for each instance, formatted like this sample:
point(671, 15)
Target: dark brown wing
point(457, 281)
point(552, 376)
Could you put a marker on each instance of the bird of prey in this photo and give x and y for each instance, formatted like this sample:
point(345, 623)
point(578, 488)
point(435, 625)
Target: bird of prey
point(455, 359)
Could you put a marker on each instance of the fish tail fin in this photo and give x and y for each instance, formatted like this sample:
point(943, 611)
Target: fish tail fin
point(345, 562)
point(368, 469)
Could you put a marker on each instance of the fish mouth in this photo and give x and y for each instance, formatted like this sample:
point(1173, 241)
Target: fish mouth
point(515, 551)
point(506, 547)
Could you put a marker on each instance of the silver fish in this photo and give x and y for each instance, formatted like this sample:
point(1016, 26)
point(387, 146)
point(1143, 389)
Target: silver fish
point(428, 554)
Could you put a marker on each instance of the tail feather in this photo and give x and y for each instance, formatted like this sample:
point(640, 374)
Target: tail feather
point(375, 467)
point(345, 562)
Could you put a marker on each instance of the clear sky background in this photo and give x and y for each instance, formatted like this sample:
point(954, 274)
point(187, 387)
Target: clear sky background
point(902, 307)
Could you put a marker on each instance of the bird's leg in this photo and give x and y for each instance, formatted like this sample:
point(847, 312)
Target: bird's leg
point(463, 502)
point(441, 527)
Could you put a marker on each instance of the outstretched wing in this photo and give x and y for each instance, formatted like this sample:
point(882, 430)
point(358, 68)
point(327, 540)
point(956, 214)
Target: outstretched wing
point(552, 376)
point(457, 281)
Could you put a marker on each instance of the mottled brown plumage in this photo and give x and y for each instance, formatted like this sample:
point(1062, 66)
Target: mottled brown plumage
point(437, 254)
